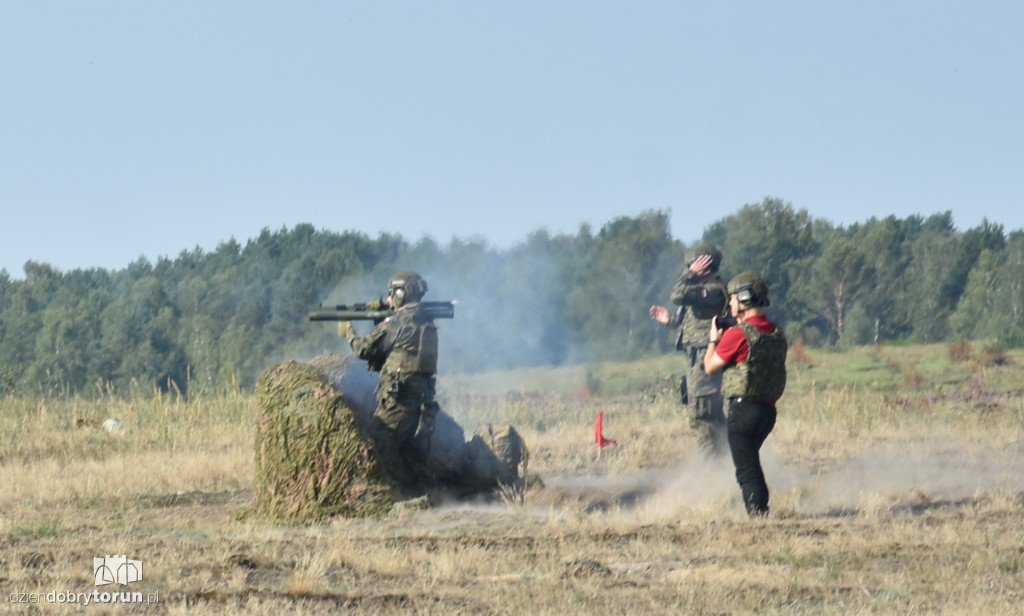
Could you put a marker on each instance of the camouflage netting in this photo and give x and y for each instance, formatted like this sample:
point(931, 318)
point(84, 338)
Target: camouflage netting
point(314, 460)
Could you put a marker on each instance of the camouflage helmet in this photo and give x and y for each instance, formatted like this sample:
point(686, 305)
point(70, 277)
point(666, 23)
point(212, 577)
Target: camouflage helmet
point(750, 288)
point(704, 248)
point(406, 287)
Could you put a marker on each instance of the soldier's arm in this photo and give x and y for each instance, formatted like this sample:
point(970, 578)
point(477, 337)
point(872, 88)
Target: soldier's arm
point(713, 362)
point(371, 346)
point(723, 348)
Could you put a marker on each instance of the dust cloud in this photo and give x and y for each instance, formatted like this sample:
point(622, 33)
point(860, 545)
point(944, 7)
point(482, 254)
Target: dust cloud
point(901, 476)
point(890, 478)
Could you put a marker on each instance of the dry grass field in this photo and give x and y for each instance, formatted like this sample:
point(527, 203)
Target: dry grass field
point(896, 477)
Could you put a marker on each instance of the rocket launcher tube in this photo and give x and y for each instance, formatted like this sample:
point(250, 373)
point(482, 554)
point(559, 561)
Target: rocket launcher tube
point(374, 311)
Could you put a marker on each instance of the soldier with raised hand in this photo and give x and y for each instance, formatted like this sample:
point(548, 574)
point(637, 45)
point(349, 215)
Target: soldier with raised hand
point(753, 358)
point(403, 348)
point(701, 296)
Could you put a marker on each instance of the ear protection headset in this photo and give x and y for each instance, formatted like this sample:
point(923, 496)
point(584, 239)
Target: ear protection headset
point(750, 289)
point(406, 286)
point(398, 295)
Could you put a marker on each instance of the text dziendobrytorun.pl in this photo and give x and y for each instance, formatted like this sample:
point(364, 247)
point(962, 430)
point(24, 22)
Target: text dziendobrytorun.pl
point(84, 598)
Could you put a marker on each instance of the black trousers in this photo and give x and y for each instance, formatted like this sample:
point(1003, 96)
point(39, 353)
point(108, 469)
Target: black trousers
point(748, 425)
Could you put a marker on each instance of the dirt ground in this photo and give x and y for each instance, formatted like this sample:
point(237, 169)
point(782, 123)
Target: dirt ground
point(577, 545)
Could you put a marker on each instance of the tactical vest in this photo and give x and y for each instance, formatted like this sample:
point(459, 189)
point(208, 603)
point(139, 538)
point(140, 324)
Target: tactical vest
point(696, 319)
point(762, 377)
point(708, 311)
point(415, 347)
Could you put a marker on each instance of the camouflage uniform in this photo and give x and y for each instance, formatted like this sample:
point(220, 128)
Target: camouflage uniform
point(404, 349)
point(699, 302)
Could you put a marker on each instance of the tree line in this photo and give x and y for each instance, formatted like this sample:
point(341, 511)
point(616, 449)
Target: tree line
point(213, 320)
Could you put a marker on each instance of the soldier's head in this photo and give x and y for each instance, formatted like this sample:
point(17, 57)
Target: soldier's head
point(406, 287)
point(705, 248)
point(750, 289)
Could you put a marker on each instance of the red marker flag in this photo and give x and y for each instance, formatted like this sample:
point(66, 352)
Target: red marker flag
point(599, 432)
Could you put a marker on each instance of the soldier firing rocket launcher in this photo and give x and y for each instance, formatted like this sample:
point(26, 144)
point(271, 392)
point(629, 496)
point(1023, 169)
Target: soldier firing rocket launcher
point(377, 311)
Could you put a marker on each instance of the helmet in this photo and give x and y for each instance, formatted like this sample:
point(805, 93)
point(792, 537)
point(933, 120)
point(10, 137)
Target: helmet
point(750, 288)
point(705, 248)
point(406, 287)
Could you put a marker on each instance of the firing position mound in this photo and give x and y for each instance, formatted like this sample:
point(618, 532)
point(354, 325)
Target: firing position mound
point(315, 459)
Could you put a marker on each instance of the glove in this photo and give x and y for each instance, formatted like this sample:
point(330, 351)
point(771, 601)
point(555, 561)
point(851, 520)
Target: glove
point(344, 327)
point(375, 304)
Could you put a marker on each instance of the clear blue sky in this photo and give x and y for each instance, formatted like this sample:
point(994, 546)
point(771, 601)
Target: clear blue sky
point(136, 129)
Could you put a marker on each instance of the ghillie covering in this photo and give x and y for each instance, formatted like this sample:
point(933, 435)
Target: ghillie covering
point(313, 460)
